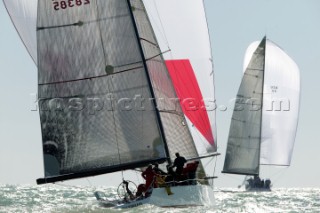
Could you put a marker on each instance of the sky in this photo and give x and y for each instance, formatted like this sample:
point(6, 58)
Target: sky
point(233, 25)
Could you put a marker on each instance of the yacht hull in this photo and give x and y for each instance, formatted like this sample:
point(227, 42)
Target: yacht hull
point(183, 196)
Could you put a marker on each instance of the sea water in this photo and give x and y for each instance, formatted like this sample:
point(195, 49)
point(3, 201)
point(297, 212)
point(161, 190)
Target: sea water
point(56, 198)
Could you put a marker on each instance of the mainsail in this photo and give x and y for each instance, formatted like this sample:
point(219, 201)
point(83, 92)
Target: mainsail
point(187, 62)
point(264, 135)
point(96, 61)
point(187, 53)
point(242, 156)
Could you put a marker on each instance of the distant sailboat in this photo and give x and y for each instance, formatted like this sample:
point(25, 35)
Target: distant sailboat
point(94, 58)
point(265, 117)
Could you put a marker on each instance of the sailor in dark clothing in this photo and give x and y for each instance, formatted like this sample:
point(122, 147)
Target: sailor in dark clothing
point(157, 170)
point(256, 181)
point(179, 163)
point(129, 195)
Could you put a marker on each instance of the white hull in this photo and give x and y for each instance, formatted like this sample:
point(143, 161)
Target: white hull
point(183, 196)
point(123, 205)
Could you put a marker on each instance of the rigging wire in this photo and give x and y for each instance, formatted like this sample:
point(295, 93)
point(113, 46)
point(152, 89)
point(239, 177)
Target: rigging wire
point(91, 185)
point(161, 28)
point(89, 182)
point(214, 170)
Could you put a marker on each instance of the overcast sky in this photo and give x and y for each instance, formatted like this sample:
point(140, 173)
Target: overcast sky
point(292, 24)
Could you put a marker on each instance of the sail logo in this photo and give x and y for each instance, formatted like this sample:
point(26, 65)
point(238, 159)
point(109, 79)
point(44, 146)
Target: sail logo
point(138, 103)
point(273, 89)
point(65, 4)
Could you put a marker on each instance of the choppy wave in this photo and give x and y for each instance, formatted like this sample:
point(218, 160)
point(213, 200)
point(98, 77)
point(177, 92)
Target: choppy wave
point(279, 200)
point(68, 199)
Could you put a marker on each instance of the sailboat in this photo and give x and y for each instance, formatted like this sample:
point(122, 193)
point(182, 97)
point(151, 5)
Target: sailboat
point(110, 73)
point(265, 116)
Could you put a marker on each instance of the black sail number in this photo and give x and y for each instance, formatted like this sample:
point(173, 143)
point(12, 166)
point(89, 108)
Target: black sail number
point(65, 4)
point(70, 3)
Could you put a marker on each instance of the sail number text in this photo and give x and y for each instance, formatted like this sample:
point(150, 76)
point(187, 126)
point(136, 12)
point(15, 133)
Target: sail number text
point(57, 5)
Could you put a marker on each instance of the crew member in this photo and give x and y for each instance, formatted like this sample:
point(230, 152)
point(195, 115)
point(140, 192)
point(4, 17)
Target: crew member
point(179, 163)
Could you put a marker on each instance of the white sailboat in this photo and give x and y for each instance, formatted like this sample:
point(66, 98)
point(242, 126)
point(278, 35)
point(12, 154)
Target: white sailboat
point(264, 135)
point(93, 58)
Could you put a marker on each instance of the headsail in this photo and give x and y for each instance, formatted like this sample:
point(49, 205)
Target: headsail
point(95, 60)
point(23, 14)
point(243, 149)
point(182, 32)
point(281, 105)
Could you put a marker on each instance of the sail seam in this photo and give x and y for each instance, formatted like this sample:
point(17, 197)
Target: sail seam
point(90, 78)
point(80, 23)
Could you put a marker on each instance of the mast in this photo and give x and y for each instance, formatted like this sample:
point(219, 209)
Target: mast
point(262, 95)
point(149, 81)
